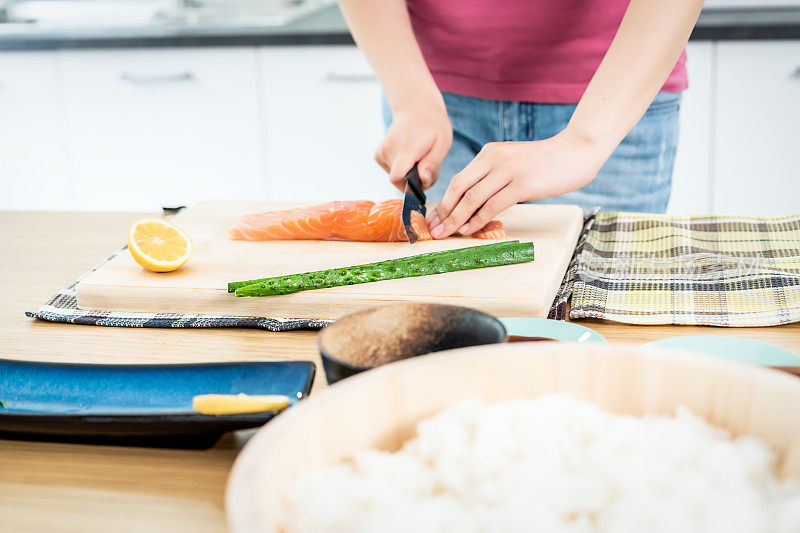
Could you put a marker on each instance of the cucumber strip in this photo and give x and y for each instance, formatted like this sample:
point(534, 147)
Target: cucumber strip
point(420, 265)
point(484, 249)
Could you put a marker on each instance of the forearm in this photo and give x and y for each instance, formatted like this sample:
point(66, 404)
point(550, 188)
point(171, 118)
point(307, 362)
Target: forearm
point(643, 53)
point(382, 29)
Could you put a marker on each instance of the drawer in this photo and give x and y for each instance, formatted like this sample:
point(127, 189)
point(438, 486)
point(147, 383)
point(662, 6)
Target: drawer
point(163, 126)
point(33, 160)
point(322, 111)
point(757, 133)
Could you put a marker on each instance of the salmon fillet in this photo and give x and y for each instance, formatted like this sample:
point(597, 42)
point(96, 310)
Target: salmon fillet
point(492, 230)
point(363, 221)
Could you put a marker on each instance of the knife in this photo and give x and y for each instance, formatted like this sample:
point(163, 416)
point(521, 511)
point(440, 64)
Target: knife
point(413, 200)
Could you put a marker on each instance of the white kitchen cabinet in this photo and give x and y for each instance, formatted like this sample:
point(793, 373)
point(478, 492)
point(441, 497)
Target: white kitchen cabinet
point(142, 128)
point(691, 178)
point(757, 142)
point(154, 127)
point(322, 111)
point(33, 160)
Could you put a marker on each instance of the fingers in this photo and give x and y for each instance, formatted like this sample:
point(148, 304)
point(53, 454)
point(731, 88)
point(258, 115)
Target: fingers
point(459, 185)
point(429, 165)
point(381, 157)
point(495, 205)
point(397, 157)
point(471, 203)
point(401, 164)
point(402, 161)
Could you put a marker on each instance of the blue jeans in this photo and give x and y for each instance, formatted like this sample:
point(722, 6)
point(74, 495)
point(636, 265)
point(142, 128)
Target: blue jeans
point(637, 176)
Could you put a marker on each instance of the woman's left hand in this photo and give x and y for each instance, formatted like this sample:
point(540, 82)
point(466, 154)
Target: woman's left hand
point(506, 173)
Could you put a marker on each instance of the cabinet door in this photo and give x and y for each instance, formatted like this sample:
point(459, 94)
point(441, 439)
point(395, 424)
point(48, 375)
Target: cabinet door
point(691, 178)
point(322, 110)
point(160, 127)
point(33, 166)
point(757, 128)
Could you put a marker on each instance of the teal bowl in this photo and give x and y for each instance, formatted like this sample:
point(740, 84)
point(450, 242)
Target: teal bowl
point(734, 348)
point(540, 329)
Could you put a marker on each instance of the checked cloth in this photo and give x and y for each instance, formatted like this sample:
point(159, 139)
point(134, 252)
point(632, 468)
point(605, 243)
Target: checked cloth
point(63, 307)
point(704, 270)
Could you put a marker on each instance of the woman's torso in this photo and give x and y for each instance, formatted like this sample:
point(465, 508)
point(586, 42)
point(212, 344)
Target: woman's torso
point(520, 50)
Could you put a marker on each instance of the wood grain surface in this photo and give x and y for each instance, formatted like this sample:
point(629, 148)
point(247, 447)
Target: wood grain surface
point(200, 286)
point(47, 486)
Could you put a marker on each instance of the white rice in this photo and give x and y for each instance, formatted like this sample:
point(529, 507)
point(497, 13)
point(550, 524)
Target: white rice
point(553, 464)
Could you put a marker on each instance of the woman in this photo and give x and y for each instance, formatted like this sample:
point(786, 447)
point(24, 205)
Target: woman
point(559, 101)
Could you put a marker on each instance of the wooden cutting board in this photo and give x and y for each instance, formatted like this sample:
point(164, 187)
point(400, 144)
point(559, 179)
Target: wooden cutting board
point(200, 286)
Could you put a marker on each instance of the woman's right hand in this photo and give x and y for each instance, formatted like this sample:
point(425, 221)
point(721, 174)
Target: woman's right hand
point(419, 133)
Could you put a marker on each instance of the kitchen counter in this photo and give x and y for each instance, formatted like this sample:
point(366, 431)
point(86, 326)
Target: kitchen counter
point(326, 26)
point(734, 24)
point(48, 486)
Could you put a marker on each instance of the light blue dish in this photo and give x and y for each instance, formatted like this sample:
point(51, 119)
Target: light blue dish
point(735, 348)
point(551, 329)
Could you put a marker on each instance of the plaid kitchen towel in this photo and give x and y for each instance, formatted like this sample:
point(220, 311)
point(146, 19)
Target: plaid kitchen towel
point(558, 311)
point(703, 270)
point(63, 307)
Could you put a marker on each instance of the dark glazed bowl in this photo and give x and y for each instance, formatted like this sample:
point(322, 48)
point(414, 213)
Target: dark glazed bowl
point(381, 335)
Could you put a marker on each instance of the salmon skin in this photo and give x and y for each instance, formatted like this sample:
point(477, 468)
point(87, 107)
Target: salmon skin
point(363, 221)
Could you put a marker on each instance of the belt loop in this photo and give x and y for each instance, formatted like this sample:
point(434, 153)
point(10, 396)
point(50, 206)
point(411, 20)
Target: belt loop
point(530, 108)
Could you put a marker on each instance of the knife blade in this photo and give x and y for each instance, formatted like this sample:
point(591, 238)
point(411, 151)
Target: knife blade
point(413, 200)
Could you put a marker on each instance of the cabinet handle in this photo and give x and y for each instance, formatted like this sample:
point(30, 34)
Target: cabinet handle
point(796, 74)
point(349, 77)
point(155, 79)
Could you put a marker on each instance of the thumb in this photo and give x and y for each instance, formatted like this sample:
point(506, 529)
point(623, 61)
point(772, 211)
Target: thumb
point(430, 164)
point(400, 167)
point(428, 172)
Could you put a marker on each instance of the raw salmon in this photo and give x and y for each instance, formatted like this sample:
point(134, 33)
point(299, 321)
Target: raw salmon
point(364, 221)
point(492, 230)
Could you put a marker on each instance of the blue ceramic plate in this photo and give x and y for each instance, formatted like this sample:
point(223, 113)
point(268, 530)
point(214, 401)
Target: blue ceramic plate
point(543, 328)
point(736, 348)
point(137, 404)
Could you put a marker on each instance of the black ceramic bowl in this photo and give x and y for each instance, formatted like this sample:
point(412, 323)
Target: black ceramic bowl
point(380, 335)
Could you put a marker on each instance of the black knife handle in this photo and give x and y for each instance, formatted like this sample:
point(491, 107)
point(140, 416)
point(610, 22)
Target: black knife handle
point(412, 178)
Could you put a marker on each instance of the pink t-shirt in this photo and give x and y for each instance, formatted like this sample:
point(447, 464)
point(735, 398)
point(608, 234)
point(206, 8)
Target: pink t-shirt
point(520, 50)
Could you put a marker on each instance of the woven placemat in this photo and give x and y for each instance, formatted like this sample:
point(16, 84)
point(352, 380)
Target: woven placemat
point(709, 270)
point(63, 307)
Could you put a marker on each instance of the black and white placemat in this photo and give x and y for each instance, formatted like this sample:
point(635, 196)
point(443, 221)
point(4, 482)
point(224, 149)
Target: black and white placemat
point(63, 307)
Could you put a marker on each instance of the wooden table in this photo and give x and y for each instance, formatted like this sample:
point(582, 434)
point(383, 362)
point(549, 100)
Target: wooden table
point(68, 487)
